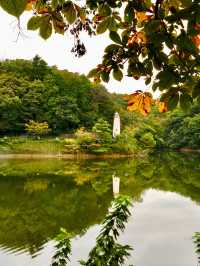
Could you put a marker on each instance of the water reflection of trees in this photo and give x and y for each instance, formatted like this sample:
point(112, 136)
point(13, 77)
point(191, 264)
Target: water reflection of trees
point(107, 251)
point(39, 197)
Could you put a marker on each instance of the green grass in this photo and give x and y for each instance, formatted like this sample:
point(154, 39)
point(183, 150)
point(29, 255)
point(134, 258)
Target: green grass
point(31, 146)
point(59, 146)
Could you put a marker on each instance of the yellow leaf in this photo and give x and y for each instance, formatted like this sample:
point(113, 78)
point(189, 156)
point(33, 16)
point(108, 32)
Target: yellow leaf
point(142, 16)
point(30, 5)
point(137, 37)
point(139, 101)
point(162, 107)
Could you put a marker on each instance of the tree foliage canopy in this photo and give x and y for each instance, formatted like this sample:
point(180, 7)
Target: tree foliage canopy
point(31, 90)
point(157, 40)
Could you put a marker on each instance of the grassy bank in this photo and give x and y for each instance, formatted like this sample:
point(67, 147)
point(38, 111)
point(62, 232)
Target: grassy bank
point(23, 145)
point(61, 147)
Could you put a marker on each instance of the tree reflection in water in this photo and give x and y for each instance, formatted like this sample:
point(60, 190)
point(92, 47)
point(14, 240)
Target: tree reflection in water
point(38, 197)
point(107, 251)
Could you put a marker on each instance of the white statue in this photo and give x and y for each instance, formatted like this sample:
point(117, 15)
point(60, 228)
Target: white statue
point(116, 125)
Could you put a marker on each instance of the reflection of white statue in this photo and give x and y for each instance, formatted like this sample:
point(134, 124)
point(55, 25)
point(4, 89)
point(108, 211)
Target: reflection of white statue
point(116, 183)
point(116, 125)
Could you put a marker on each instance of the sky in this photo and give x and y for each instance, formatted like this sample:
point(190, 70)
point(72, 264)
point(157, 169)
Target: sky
point(56, 51)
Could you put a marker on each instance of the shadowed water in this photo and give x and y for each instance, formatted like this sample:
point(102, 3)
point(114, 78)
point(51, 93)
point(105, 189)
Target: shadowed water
point(37, 197)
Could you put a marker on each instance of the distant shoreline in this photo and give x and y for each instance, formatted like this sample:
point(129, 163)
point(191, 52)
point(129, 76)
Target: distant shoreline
point(78, 156)
point(67, 156)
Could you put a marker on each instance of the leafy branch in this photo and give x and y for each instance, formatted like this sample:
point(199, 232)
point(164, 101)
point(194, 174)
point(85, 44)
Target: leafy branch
point(107, 251)
point(197, 244)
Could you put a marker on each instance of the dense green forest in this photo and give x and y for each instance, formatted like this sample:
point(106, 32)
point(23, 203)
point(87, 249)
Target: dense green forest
point(32, 90)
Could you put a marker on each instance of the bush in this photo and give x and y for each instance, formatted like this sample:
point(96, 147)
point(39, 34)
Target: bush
point(126, 142)
point(69, 141)
point(103, 131)
point(148, 140)
point(37, 128)
point(84, 139)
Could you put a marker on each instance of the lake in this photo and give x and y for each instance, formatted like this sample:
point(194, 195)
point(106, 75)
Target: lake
point(38, 197)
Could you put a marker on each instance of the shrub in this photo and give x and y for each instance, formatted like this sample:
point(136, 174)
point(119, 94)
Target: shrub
point(36, 128)
point(69, 141)
point(84, 138)
point(103, 131)
point(126, 142)
point(148, 140)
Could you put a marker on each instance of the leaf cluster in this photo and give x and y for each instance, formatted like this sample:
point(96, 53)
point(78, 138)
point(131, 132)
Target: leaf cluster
point(106, 251)
point(156, 40)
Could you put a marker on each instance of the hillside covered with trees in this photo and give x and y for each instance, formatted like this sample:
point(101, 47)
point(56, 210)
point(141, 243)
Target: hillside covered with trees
point(66, 102)
point(31, 90)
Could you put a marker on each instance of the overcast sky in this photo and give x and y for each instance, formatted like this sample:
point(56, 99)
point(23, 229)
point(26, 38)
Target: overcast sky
point(56, 51)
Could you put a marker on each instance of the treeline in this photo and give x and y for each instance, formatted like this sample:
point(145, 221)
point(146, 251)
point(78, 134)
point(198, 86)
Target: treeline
point(31, 90)
point(182, 130)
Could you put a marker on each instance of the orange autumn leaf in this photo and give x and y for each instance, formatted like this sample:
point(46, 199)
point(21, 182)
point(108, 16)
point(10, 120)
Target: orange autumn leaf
point(162, 107)
point(197, 26)
point(98, 18)
point(142, 16)
point(30, 4)
point(42, 11)
point(196, 38)
point(137, 37)
point(81, 13)
point(140, 102)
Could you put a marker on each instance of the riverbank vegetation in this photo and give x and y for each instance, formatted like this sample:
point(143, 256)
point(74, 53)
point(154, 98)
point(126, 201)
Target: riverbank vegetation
point(46, 110)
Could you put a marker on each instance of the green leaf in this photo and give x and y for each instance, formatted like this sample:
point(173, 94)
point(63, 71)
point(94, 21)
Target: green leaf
point(196, 90)
point(69, 12)
point(186, 44)
point(104, 10)
point(34, 23)
point(152, 26)
point(117, 74)
point(112, 24)
point(103, 26)
point(173, 101)
point(114, 36)
point(125, 35)
point(112, 48)
point(58, 23)
point(155, 86)
point(92, 73)
point(105, 76)
point(54, 4)
point(45, 27)
point(147, 81)
point(129, 13)
point(14, 7)
point(168, 41)
point(185, 101)
point(148, 3)
point(167, 78)
point(186, 3)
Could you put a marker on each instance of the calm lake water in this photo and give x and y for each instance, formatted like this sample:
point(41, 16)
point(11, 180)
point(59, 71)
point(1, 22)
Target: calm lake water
point(38, 197)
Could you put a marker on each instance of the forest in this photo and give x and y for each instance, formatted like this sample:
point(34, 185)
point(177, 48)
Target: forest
point(30, 90)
